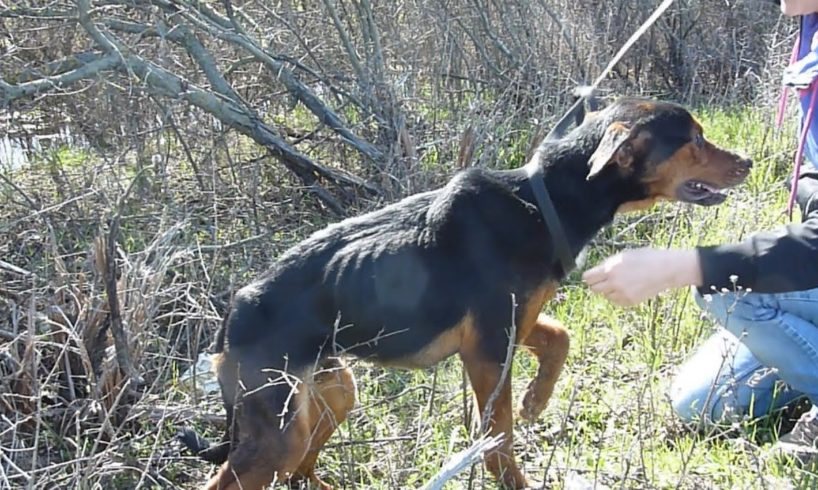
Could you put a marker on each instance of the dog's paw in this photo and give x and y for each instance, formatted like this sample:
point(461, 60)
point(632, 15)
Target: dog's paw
point(532, 405)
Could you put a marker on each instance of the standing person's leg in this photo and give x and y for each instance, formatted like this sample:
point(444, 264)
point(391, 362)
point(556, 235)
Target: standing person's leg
point(723, 381)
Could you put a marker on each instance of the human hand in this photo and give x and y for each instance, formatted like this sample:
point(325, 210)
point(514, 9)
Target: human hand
point(633, 276)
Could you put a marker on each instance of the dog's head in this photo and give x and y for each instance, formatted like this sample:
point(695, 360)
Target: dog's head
point(660, 147)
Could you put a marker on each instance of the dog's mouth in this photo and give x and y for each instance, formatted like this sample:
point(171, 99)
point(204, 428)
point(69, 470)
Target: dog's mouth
point(701, 193)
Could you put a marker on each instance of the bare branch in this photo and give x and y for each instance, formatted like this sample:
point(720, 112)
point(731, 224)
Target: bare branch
point(228, 107)
point(9, 93)
point(564, 33)
point(290, 81)
point(84, 12)
point(179, 33)
point(107, 248)
point(463, 460)
point(342, 33)
point(164, 83)
point(208, 65)
point(484, 21)
point(36, 13)
point(53, 68)
point(506, 371)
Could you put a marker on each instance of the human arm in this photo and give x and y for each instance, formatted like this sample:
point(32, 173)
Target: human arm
point(779, 260)
point(633, 276)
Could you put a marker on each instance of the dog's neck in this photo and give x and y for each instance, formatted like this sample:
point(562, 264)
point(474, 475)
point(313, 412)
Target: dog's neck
point(565, 173)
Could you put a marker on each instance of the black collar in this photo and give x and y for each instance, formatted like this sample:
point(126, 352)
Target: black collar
point(534, 171)
point(535, 175)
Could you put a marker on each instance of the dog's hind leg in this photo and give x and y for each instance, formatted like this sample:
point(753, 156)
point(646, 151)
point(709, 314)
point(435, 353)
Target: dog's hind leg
point(548, 341)
point(332, 396)
point(272, 420)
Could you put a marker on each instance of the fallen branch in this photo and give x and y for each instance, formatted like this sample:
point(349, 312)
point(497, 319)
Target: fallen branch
point(463, 460)
point(162, 82)
point(222, 102)
point(9, 93)
point(56, 67)
point(229, 110)
point(13, 268)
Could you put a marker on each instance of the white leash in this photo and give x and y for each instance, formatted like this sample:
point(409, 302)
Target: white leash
point(588, 90)
point(631, 41)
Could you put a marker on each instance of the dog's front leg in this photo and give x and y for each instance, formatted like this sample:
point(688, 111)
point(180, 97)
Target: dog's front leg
point(485, 376)
point(548, 341)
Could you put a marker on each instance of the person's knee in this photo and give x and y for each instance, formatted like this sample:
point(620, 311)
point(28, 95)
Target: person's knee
point(807, 193)
point(686, 405)
point(707, 408)
point(704, 406)
point(749, 392)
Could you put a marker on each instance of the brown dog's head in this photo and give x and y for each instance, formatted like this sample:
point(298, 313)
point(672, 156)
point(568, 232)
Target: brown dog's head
point(662, 148)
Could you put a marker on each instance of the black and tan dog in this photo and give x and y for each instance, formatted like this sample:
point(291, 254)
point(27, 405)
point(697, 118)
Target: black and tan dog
point(434, 275)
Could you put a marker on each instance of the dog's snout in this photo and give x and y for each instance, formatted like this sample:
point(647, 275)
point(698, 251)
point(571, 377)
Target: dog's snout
point(742, 168)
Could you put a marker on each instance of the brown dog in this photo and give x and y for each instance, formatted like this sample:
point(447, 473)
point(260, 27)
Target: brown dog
point(434, 275)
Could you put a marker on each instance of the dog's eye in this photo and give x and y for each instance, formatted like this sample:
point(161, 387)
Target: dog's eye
point(699, 140)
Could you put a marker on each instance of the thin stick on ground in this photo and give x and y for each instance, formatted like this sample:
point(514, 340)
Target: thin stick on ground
point(462, 460)
point(512, 343)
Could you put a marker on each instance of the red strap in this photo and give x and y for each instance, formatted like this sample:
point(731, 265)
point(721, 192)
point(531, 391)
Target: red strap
point(802, 139)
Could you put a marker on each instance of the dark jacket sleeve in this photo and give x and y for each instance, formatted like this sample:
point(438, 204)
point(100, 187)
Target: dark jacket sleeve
point(781, 260)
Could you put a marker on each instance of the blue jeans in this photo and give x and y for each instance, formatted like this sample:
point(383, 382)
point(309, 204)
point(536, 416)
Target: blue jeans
point(764, 357)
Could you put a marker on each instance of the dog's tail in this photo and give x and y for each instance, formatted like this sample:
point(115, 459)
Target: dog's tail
point(201, 447)
point(196, 444)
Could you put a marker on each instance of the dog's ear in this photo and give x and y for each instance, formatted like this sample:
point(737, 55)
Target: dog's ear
point(612, 148)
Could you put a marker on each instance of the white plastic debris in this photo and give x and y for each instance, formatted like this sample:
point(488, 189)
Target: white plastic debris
point(575, 481)
point(206, 382)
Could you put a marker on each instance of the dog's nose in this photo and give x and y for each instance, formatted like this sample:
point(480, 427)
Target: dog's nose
point(746, 163)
